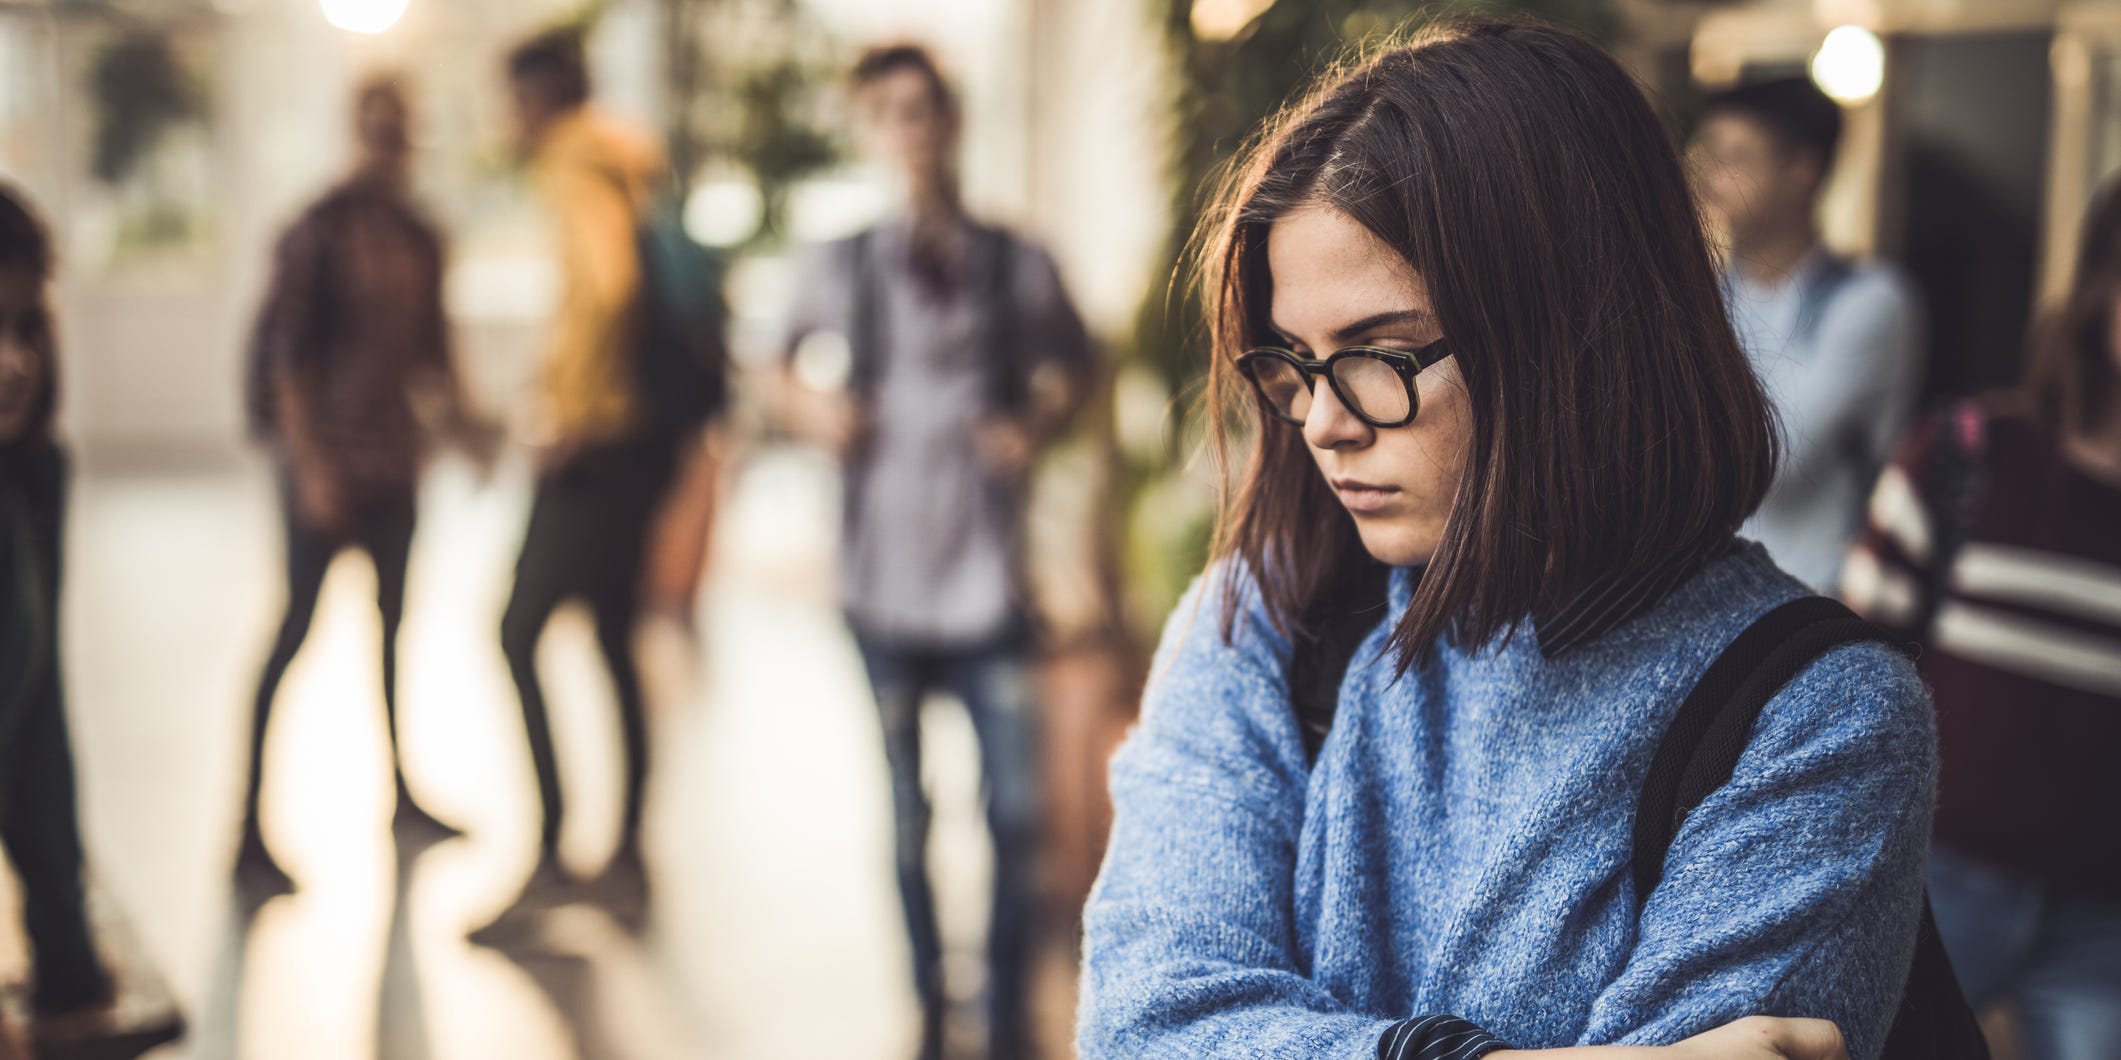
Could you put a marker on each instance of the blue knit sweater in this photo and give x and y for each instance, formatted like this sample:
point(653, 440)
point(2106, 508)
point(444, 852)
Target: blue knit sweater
point(1462, 847)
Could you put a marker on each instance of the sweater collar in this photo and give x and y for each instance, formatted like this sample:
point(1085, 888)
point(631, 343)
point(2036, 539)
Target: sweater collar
point(1600, 607)
point(1612, 601)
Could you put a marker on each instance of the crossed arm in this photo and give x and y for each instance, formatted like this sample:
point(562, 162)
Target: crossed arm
point(1189, 944)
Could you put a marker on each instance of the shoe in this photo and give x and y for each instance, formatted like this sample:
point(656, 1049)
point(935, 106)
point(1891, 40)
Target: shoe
point(258, 875)
point(90, 987)
point(101, 1024)
point(516, 929)
point(109, 1031)
point(415, 828)
point(935, 1023)
point(550, 886)
point(622, 889)
point(1012, 1047)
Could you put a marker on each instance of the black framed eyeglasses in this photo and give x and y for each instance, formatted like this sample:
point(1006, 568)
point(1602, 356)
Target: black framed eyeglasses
point(1374, 383)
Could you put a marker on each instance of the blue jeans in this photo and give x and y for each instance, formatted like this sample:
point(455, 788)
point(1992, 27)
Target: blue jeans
point(2057, 958)
point(994, 683)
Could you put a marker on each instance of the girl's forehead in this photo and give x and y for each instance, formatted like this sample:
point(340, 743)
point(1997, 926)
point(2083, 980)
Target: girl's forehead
point(1326, 268)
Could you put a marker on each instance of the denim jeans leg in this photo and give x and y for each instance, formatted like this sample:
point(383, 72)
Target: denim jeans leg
point(996, 687)
point(1988, 922)
point(900, 680)
point(2069, 999)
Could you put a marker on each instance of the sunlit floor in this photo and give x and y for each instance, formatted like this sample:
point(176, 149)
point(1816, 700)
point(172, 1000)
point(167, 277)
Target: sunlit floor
point(774, 930)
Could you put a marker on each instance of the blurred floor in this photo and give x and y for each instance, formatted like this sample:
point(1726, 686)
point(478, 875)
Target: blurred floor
point(775, 930)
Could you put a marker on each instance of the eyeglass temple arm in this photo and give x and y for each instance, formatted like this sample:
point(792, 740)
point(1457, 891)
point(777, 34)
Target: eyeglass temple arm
point(1430, 354)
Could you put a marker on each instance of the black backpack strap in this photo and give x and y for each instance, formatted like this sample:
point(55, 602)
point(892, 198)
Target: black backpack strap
point(1700, 751)
point(864, 363)
point(864, 324)
point(1008, 380)
point(1324, 645)
point(1934, 1021)
point(1707, 736)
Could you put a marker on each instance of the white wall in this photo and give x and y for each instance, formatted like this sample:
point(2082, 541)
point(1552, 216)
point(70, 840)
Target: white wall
point(154, 357)
point(1064, 138)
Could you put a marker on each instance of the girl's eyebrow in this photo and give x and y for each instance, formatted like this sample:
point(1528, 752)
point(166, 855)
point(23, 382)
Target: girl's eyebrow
point(1376, 321)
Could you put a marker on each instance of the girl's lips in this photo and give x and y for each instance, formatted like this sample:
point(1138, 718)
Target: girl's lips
point(1363, 497)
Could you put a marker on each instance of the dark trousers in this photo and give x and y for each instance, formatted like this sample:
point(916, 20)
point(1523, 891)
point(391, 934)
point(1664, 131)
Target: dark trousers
point(994, 683)
point(2055, 956)
point(42, 832)
point(380, 524)
point(588, 533)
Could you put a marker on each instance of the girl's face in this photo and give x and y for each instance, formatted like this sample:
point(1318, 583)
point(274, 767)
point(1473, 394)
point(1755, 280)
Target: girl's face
point(25, 342)
point(1335, 285)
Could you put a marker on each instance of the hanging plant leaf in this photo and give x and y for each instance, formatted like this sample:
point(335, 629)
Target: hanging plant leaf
point(141, 92)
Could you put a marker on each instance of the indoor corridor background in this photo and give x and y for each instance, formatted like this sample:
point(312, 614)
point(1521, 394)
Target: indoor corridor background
point(774, 930)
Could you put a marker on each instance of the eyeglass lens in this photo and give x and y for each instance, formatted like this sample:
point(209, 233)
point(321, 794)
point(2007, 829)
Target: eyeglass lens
point(1371, 386)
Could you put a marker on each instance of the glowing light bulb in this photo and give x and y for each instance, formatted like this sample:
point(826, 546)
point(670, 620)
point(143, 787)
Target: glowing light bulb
point(1849, 65)
point(724, 211)
point(363, 16)
point(1220, 20)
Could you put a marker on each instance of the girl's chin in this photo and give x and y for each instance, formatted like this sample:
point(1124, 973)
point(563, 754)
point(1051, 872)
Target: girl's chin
point(1396, 546)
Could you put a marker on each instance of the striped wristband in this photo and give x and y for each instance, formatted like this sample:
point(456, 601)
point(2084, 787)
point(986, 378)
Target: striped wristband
point(1436, 1038)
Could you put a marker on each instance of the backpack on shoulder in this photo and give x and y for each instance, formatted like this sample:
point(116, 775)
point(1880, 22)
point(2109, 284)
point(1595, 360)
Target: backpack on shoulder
point(681, 353)
point(1696, 755)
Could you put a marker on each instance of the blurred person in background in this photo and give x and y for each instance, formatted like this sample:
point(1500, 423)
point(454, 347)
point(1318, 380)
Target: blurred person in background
point(602, 472)
point(73, 1000)
point(351, 379)
point(966, 358)
point(1836, 343)
point(1994, 540)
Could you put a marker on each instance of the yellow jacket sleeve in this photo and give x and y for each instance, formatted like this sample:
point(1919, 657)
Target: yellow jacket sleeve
point(593, 179)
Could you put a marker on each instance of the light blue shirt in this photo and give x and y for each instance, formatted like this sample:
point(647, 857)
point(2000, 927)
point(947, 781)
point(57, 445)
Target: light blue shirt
point(1842, 383)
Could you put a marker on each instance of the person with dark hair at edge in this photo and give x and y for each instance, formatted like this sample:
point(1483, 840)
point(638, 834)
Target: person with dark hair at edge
point(1837, 343)
point(602, 470)
point(1994, 541)
point(75, 997)
point(351, 377)
point(965, 357)
point(1497, 438)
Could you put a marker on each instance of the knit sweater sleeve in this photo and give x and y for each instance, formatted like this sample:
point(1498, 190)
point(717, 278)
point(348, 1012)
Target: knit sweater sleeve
point(1795, 889)
point(1189, 945)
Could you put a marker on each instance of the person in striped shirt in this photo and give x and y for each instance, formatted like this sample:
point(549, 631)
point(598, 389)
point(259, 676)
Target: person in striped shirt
point(1994, 539)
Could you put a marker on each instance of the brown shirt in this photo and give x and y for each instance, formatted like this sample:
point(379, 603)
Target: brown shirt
point(353, 324)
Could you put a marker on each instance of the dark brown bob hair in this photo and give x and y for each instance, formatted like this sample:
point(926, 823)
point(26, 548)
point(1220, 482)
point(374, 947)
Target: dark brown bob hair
point(1615, 422)
point(2072, 385)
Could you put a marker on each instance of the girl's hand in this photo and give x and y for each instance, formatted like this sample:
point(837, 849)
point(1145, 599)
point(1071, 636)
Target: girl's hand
point(1766, 1038)
point(1751, 1038)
